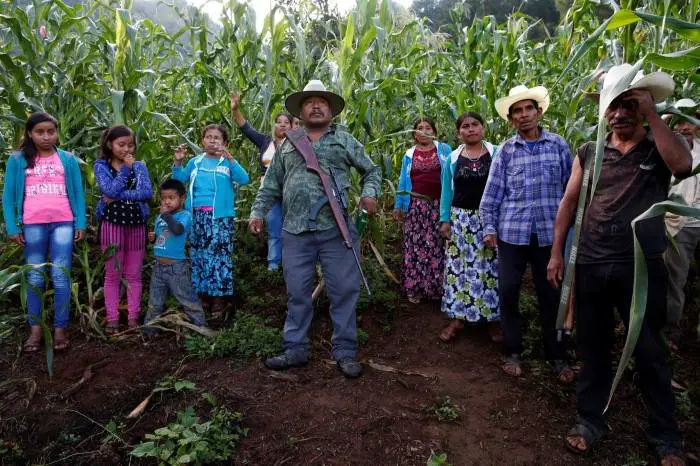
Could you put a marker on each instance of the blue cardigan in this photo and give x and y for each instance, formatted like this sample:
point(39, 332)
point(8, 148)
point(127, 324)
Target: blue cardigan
point(403, 201)
point(113, 186)
point(227, 173)
point(13, 191)
point(447, 191)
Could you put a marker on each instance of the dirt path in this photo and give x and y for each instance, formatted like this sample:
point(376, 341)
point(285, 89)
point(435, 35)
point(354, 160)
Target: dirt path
point(313, 415)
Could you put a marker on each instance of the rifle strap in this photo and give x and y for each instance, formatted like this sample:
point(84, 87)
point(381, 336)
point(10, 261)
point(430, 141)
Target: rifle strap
point(580, 210)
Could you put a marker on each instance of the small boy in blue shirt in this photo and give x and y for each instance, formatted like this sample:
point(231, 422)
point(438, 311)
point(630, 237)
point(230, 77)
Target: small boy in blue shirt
point(171, 271)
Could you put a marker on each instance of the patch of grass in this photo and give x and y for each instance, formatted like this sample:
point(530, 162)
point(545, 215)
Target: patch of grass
point(437, 459)
point(362, 337)
point(684, 406)
point(444, 410)
point(10, 452)
point(247, 337)
point(189, 440)
point(634, 460)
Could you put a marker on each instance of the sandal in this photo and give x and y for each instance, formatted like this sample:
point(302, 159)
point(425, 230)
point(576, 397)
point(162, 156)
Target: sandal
point(60, 340)
point(32, 345)
point(112, 328)
point(512, 365)
point(451, 330)
point(583, 432)
point(563, 371)
point(133, 323)
point(413, 299)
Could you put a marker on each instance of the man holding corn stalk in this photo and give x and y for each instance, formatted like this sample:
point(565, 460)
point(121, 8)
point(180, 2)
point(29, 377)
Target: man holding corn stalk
point(635, 171)
point(298, 176)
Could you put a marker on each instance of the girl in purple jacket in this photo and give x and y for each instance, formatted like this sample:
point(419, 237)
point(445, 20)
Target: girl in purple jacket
point(122, 213)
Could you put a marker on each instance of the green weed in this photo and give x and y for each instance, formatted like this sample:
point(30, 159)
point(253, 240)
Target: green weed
point(437, 459)
point(444, 410)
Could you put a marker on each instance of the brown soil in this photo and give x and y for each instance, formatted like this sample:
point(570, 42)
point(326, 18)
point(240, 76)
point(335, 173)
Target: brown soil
point(313, 415)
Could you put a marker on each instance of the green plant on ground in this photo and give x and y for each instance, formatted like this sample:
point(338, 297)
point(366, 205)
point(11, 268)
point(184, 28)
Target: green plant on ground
point(684, 406)
point(437, 459)
point(188, 440)
point(444, 410)
point(10, 452)
point(247, 337)
point(362, 337)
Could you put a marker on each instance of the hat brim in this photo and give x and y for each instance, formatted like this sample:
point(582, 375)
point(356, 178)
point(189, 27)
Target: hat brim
point(539, 94)
point(294, 101)
point(660, 85)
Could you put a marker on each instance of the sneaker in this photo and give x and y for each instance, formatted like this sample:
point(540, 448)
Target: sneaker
point(350, 368)
point(285, 361)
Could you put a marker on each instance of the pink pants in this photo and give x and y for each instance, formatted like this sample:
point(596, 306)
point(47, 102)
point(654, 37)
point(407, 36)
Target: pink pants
point(127, 261)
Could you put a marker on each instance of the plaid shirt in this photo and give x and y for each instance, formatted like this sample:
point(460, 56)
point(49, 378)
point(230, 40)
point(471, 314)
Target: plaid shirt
point(524, 189)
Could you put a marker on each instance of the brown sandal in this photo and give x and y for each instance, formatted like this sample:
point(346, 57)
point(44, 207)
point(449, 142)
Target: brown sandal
point(112, 328)
point(32, 345)
point(451, 331)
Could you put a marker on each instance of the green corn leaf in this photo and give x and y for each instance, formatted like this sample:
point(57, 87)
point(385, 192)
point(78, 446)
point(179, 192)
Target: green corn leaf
point(677, 61)
point(690, 31)
point(641, 281)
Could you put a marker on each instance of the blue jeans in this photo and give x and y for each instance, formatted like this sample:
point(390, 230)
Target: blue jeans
point(173, 279)
point(275, 219)
point(301, 252)
point(56, 241)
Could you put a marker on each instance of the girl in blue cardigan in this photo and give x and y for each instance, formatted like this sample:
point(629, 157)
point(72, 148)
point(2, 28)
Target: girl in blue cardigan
point(211, 176)
point(44, 209)
point(122, 213)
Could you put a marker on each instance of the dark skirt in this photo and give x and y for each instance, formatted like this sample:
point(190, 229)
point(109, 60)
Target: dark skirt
point(423, 250)
point(211, 250)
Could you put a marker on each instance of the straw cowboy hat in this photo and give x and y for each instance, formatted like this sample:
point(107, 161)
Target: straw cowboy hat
point(539, 94)
point(685, 103)
point(659, 84)
point(314, 88)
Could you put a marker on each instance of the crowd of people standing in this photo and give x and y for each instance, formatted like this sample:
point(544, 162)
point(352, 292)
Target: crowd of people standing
point(473, 219)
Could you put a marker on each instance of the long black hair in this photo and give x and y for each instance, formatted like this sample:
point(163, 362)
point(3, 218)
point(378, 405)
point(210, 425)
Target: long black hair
point(27, 146)
point(109, 135)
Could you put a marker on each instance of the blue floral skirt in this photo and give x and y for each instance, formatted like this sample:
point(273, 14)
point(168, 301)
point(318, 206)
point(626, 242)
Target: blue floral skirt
point(471, 271)
point(211, 250)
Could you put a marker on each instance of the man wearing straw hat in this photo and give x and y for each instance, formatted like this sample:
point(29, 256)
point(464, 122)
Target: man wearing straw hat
point(637, 165)
point(526, 182)
point(685, 230)
point(288, 179)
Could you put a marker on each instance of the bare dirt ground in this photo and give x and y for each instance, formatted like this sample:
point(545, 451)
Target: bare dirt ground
point(313, 415)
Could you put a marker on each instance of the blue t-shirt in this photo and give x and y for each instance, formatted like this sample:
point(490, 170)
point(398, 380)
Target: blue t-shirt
point(205, 183)
point(168, 244)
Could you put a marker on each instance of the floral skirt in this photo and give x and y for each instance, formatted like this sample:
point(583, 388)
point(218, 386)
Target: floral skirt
point(423, 250)
point(211, 250)
point(471, 271)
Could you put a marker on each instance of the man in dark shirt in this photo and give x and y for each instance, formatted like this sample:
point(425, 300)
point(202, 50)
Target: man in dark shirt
point(636, 171)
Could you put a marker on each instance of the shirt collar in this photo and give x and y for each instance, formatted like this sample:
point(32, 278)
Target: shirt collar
point(649, 137)
point(544, 136)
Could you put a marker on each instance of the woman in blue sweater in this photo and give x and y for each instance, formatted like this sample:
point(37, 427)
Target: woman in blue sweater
point(267, 146)
point(211, 177)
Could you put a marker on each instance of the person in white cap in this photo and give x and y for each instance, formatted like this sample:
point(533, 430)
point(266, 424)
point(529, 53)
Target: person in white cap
point(303, 243)
point(685, 230)
point(526, 182)
point(637, 165)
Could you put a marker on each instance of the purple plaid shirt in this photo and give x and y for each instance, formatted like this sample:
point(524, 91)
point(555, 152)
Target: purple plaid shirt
point(524, 189)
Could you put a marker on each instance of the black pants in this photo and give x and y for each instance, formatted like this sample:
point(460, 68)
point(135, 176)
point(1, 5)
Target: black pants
point(512, 261)
point(599, 289)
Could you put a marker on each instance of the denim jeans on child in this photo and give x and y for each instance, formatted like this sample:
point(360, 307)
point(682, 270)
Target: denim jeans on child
point(275, 218)
point(54, 240)
point(173, 279)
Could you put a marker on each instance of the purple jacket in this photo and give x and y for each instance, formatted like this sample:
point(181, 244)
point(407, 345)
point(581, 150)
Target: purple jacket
point(114, 186)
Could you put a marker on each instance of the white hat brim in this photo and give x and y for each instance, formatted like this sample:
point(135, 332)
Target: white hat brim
point(539, 94)
point(293, 102)
point(660, 85)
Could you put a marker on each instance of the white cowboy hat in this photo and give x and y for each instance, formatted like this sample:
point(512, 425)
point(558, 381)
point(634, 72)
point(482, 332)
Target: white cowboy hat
point(314, 88)
point(685, 103)
point(539, 94)
point(659, 84)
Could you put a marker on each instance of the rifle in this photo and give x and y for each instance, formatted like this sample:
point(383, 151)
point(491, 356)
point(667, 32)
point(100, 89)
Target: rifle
point(334, 196)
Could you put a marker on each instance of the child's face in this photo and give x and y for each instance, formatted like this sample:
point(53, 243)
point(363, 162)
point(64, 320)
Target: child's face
point(44, 135)
point(123, 146)
point(170, 200)
point(213, 142)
